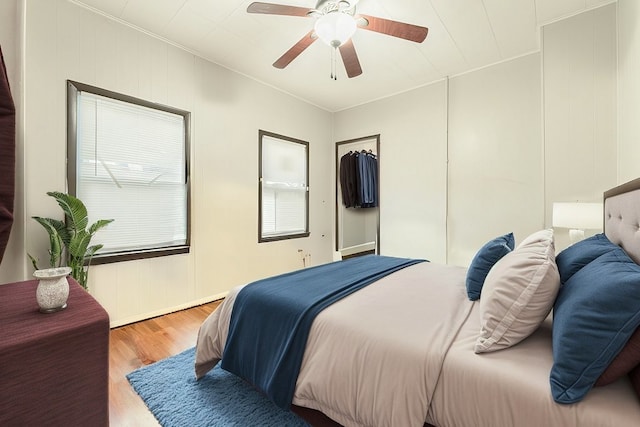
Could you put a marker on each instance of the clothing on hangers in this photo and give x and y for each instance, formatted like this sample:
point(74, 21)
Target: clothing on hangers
point(359, 179)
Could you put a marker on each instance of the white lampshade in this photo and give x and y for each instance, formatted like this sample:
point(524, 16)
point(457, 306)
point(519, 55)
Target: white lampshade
point(335, 28)
point(582, 216)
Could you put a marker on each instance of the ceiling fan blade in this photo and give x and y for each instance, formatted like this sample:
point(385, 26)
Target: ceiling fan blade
point(350, 59)
point(414, 33)
point(277, 9)
point(296, 50)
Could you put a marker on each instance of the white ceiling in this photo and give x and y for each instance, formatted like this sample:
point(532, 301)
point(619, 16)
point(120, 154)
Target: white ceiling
point(463, 35)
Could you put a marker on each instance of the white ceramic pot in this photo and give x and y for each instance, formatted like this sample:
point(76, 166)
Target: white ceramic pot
point(53, 289)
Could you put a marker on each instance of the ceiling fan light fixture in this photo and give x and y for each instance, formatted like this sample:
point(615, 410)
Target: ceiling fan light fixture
point(335, 28)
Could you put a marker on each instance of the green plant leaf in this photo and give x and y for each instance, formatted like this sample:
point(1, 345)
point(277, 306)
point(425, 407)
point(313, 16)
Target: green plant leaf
point(55, 240)
point(91, 250)
point(62, 230)
point(34, 262)
point(69, 239)
point(79, 243)
point(73, 208)
point(79, 271)
point(98, 225)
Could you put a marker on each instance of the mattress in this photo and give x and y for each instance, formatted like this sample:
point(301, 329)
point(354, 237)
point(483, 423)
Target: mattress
point(510, 387)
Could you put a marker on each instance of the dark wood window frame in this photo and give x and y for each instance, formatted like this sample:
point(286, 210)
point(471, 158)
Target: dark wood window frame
point(72, 93)
point(306, 233)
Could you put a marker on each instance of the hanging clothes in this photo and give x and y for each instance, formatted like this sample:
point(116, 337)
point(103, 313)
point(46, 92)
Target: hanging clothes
point(359, 179)
point(348, 180)
point(368, 168)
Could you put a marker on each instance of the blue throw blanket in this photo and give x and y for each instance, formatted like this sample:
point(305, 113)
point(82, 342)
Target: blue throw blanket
point(271, 319)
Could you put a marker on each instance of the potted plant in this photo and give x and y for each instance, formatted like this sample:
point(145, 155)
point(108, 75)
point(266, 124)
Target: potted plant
point(69, 239)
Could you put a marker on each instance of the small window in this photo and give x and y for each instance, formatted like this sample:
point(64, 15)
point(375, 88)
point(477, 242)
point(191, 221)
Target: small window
point(283, 196)
point(128, 161)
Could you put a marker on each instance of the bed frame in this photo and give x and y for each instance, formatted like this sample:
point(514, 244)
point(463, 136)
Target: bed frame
point(622, 217)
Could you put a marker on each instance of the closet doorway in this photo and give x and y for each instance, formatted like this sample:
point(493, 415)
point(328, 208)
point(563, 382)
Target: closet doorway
point(358, 197)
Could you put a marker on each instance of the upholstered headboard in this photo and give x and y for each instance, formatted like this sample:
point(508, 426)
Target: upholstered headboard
point(622, 217)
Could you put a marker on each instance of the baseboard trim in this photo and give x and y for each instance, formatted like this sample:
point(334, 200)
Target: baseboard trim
point(162, 312)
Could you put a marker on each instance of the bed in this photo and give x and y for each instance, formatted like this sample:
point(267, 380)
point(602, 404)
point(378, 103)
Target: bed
point(535, 339)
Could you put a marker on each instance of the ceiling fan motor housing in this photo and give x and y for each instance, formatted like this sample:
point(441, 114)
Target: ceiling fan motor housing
point(328, 6)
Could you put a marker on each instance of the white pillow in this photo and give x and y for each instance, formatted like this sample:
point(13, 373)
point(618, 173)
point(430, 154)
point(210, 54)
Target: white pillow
point(518, 293)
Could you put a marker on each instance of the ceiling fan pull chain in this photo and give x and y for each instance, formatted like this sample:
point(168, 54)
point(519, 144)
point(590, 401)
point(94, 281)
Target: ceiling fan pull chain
point(333, 64)
point(334, 54)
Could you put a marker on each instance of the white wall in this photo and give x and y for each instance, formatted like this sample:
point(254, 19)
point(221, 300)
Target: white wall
point(580, 103)
point(459, 165)
point(413, 168)
point(495, 156)
point(64, 41)
point(489, 154)
point(579, 57)
point(628, 90)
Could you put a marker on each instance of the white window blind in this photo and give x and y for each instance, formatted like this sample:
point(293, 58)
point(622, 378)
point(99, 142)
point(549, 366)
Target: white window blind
point(284, 188)
point(131, 167)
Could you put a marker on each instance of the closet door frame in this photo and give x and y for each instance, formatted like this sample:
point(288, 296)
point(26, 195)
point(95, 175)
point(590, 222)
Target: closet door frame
point(355, 142)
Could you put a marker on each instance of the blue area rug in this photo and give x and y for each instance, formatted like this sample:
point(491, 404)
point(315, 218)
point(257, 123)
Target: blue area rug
point(176, 399)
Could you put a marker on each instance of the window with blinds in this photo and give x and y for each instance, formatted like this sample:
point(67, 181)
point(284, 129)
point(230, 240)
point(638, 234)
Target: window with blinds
point(128, 160)
point(284, 187)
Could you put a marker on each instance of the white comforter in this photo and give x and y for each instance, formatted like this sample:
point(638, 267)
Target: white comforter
point(375, 357)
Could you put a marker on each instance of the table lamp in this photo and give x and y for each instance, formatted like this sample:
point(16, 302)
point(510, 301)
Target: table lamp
point(577, 217)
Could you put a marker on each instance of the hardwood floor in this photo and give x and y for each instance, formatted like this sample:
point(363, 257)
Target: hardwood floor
point(133, 346)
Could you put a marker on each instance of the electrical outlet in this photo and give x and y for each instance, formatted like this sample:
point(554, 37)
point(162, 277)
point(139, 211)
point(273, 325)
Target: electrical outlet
point(305, 257)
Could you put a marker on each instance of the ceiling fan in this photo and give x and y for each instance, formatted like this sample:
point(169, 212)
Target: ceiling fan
point(336, 21)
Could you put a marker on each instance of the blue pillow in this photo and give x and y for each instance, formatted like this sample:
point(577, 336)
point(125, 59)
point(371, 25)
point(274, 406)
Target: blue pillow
point(579, 254)
point(595, 313)
point(482, 262)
